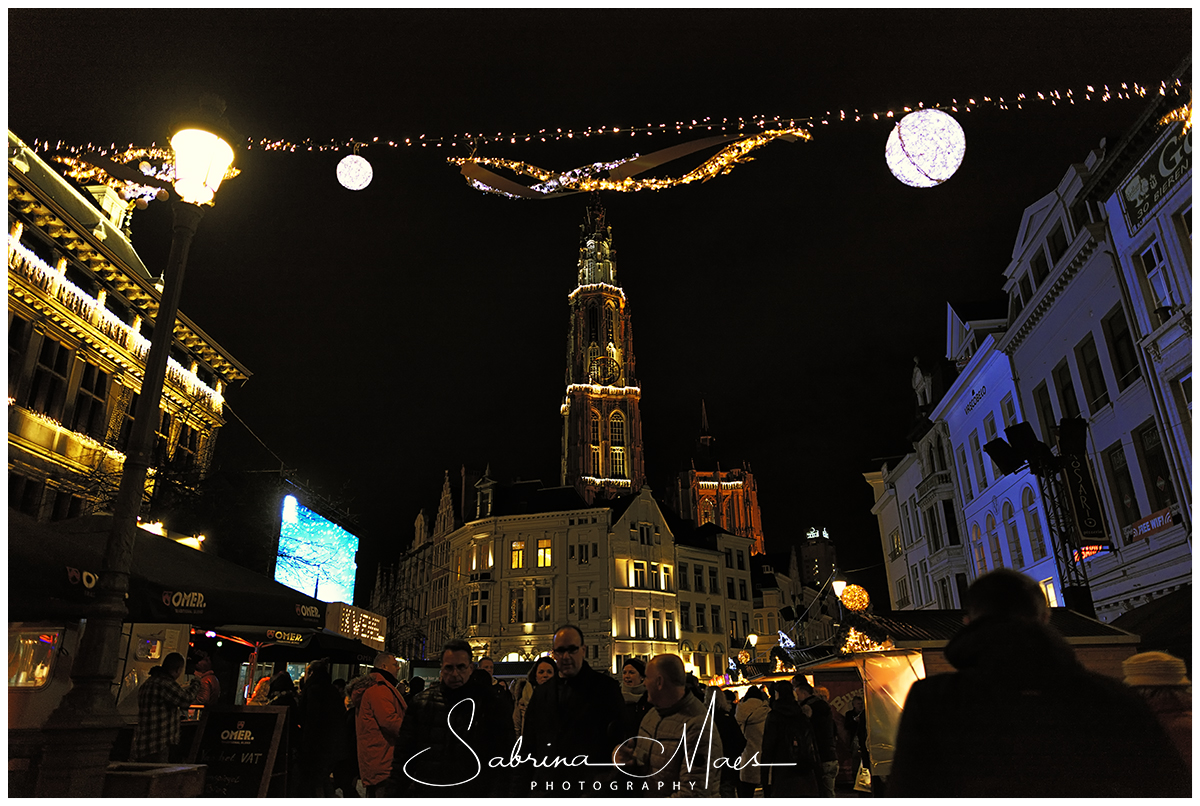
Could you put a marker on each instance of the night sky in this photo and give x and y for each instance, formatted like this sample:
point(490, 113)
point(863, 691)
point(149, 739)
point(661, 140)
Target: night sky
point(409, 328)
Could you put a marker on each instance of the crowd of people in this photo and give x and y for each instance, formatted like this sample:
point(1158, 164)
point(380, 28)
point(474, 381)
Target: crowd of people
point(1019, 717)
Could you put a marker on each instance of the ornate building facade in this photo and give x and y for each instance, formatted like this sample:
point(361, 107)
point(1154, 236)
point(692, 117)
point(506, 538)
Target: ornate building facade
point(728, 498)
point(79, 299)
point(601, 420)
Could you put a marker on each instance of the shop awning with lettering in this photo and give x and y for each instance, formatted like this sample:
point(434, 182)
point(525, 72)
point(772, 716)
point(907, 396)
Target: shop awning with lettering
point(54, 570)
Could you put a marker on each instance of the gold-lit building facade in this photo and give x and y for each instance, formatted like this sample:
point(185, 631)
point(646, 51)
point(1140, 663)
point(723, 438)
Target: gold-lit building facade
point(80, 305)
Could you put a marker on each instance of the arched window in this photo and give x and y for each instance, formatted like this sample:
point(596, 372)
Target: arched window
point(1014, 537)
point(608, 323)
point(1037, 542)
point(616, 438)
point(977, 546)
point(593, 325)
point(706, 511)
point(939, 455)
point(595, 434)
point(994, 542)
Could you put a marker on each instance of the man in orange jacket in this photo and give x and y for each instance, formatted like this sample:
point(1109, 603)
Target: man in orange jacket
point(380, 711)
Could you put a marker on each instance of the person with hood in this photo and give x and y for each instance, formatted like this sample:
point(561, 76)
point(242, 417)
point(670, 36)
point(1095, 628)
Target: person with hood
point(751, 717)
point(633, 690)
point(1021, 717)
point(1162, 680)
point(788, 739)
point(321, 715)
point(542, 670)
point(379, 715)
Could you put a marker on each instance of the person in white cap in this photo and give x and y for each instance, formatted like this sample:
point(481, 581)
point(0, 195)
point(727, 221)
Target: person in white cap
point(1162, 680)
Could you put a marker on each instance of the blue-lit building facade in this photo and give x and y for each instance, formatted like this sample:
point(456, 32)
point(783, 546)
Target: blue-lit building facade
point(1098, 327)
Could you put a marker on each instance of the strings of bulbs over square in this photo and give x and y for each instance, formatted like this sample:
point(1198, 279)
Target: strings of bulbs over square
point(924, 149)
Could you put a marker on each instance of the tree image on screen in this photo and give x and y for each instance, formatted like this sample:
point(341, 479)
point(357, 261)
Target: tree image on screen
point(316, 556)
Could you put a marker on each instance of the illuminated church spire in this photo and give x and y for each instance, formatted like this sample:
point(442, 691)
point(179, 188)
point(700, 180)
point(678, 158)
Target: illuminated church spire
point(602, 426)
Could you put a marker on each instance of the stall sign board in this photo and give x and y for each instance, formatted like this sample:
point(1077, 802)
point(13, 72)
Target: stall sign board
point(239, 744)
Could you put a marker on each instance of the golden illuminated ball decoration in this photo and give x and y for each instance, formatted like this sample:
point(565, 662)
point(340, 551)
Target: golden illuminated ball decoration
point(925, 148)
point(855, 598)
point(744, 656)
point(354, 172)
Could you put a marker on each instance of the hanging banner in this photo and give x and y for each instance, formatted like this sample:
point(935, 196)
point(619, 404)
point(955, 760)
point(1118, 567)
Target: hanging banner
point(1087, 521)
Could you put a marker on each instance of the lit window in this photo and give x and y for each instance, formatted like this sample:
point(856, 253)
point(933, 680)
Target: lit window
point(544, 553)
point(1047, 586)
point(31, 657)
point(518, 554)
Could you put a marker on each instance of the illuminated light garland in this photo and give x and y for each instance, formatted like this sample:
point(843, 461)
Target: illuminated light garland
point(614, 482)
point(858, 642)
point(156, 163)
point(596, 287)
point(1090, 93)
point(55, 284)
point(713, 485)
point(597, 389)
point(588, 180)
point(92, 443)
point(1183, 113)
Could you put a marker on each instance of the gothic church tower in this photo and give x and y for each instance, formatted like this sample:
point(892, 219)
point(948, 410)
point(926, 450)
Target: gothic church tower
point(602, 425)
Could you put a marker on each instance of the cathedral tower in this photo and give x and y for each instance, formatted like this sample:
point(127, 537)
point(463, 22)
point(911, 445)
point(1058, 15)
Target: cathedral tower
point(602, 425)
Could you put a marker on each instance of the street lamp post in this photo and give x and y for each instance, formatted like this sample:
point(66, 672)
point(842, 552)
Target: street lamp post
point(82, 730)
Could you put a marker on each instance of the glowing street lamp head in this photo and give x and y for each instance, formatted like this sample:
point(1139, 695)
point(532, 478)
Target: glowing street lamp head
point(753, 639)
point(203, 154)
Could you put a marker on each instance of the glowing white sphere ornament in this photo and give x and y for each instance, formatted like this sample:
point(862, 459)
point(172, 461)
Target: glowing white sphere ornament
point(925, 148)
point(354, 172)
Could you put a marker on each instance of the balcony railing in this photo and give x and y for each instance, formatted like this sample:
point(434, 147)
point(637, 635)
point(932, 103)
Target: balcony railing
point(932, 482)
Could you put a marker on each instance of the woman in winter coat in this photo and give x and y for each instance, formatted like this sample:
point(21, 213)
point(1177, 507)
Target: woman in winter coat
point(788, 739)
point(542, 670)
point(633, 689)
point(751, 716)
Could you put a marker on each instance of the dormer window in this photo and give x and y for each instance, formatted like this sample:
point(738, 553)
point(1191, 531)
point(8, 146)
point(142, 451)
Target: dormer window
point(1057, 243)
point(1041, 269)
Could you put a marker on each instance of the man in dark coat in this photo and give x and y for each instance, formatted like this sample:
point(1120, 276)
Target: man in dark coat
point(824, 732)
point(451, 731)
point(575, 714)
point(1022, 718)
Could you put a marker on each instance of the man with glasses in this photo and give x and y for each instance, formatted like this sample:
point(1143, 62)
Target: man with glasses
point(572, 716)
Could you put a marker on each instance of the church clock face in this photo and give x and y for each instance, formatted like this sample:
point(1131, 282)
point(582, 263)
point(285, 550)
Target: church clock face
point(604, 370)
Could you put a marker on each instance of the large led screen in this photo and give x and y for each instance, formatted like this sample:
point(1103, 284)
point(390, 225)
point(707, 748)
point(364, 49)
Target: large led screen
point(316, 556)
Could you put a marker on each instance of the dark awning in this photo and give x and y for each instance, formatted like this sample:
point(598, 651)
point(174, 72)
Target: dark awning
point(53, 571)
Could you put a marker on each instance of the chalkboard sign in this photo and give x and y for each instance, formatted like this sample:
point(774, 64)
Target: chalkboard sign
point(239, 743)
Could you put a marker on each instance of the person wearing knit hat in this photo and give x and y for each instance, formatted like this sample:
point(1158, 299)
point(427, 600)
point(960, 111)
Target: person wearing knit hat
point(1162, 679)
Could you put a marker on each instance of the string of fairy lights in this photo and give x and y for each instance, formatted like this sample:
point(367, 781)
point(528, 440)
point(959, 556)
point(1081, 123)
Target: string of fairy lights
point(742, 135)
